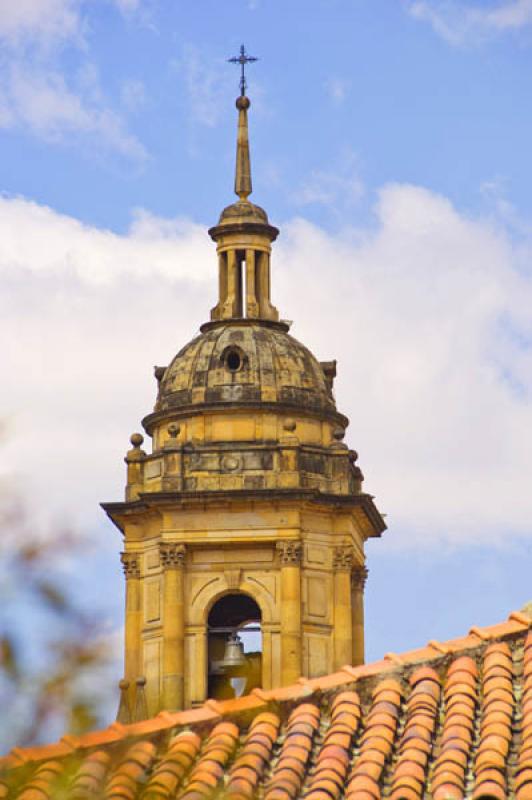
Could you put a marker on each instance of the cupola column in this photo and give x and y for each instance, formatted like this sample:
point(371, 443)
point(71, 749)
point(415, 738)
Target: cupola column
point(291, 651)
point(252, 306)
point(173, 561)
point(222, 286)
point(232, 307)
point(266, 310)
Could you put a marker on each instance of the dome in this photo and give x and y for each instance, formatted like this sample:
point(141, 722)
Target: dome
point(245, 363)
point(243, 211)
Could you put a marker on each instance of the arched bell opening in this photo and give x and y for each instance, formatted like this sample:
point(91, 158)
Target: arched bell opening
point(234, 646)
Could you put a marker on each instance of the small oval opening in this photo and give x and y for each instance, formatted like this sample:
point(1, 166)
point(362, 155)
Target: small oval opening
point(233, 361)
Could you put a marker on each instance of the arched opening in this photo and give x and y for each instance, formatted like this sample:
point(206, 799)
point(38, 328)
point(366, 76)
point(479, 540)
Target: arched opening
point(233, 360)
point(234, 646)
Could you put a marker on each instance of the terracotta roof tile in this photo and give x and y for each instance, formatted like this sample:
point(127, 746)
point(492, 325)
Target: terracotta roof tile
point(451, 720)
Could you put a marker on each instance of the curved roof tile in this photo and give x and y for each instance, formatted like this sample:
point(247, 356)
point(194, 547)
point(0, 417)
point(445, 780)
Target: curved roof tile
point(449, 721)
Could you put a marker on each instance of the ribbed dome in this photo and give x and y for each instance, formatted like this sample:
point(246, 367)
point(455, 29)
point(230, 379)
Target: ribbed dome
point(243, 211)
point(244, 362)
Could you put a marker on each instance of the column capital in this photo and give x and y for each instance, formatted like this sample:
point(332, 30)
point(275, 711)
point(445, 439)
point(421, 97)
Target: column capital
point(290, 552)
point(130, 564)
point(359, 576)
point(343, 558)
point(172, 555)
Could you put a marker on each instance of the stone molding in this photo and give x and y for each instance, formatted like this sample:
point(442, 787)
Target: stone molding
point(130, 565)
point(172, 555)
point(289, 552)
point(359, 576)
point(343, 558)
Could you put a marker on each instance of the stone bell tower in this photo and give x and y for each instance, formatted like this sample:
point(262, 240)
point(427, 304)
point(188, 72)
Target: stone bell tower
point(248, 509)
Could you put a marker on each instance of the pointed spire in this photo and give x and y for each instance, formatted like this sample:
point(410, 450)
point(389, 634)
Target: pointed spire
point(243, 187)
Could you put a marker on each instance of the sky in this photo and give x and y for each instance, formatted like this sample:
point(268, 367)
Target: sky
point(390, 144)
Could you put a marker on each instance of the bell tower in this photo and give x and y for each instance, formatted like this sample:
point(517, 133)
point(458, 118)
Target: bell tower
point(244, 522)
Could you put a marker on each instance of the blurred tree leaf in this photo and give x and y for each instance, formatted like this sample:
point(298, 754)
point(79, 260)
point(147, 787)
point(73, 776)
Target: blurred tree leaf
point(60, 685)
point(8, 657)
point(52, 595)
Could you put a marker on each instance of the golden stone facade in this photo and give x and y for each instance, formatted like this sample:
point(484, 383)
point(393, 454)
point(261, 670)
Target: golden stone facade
point(249, 507)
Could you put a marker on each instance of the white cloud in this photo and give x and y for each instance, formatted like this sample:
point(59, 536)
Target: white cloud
point(133, 95)
point(205, 85)
point(461, 23)
point(41, 97)
point(337, 188)
point(49, 21)
point(41, 20)
point(427, 312)
point(337, 89)
point(127, 6)
point(43, 103)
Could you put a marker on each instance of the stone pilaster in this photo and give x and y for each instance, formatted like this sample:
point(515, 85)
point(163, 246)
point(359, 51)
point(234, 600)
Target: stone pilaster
point(290, 558)
point(173, 562)
point(343, 560)
point(358, 582)
point(131, 565)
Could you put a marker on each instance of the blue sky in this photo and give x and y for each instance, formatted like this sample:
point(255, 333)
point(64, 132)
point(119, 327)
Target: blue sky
point(391, 145)
point(367, 86)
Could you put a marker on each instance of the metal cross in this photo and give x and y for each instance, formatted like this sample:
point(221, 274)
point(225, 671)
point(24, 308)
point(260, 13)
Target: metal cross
point(242, 59)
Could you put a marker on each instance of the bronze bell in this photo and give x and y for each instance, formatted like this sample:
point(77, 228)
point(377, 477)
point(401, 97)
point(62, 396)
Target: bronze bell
point(234, 653)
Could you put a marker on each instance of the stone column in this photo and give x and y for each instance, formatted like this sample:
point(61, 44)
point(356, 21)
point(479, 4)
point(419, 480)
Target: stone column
point(132, 665)
point(233, 302)
point(252, 306)
point(290, 557)
point(218, 311)
point(343, 624)
point(222, 278)
point(358, 582)
point(173, 561)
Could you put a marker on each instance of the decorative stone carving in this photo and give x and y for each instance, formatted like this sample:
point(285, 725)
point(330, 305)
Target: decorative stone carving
point(233, 578)
point(343, 558)
point(172, 555)
point(130, 564)
point(231, 463)
point(358, 577)
point(289, 552)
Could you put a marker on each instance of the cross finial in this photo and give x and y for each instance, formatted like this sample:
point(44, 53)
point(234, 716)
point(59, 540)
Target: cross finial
point(242, 59)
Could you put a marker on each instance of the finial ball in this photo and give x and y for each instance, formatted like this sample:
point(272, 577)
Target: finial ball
point(243, 103)
point(136, 439)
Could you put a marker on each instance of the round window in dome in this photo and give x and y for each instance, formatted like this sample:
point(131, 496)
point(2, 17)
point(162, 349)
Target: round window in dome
point(233, 360)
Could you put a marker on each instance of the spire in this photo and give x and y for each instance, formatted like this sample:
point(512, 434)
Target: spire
point(243, 186)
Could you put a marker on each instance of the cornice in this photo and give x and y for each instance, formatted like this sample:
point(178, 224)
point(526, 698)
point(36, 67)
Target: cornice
point(281, 408)
point(155, 501)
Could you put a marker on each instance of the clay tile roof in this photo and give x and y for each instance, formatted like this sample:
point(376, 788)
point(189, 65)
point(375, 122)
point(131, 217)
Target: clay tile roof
point(450, 721)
